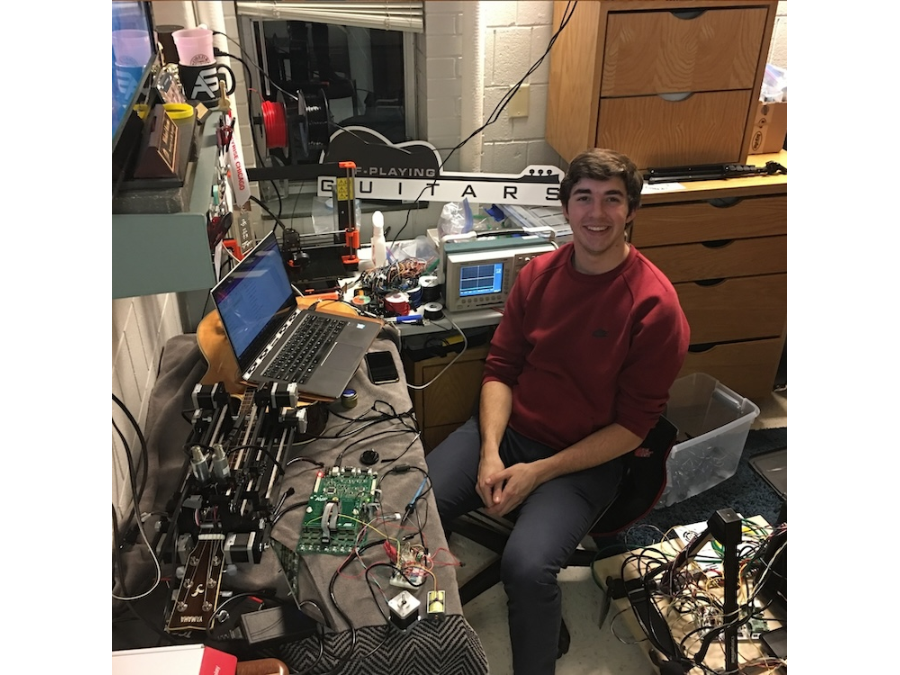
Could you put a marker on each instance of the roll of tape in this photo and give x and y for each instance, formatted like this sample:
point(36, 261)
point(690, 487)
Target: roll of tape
point(360, 301)
point(433, 310)
point(430, 288)
point(397, 303)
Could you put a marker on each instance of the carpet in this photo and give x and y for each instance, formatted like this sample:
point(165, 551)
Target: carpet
point(746, 492)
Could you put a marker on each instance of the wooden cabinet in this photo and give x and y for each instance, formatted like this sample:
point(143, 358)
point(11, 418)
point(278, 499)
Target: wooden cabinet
point(451, 399)
point(668, 83)
point(723, 244)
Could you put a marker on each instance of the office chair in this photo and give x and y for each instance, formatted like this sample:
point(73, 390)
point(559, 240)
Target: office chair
point(642, 485)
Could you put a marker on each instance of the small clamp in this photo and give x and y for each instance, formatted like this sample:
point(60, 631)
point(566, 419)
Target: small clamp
point(774, 167)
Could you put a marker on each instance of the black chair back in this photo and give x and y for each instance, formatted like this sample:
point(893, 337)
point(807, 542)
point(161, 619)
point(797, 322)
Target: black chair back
point(643, 482)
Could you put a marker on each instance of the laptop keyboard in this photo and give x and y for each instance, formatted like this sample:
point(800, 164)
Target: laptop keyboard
point(306, 348)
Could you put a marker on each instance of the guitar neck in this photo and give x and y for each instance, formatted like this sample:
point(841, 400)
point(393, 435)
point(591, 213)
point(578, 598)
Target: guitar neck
point(198, 595)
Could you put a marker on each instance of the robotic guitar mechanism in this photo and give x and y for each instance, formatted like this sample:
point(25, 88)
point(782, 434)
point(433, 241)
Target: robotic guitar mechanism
point(221, 516)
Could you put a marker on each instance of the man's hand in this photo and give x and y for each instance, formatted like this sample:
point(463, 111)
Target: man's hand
point(490, 465)
point(510, 487)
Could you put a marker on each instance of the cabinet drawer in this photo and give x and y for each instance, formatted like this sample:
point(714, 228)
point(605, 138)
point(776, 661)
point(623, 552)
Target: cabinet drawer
point(749, 368)
point(705, 128)
point(710, 220)
point(735, 309)
point(720, 259)
point(682, 51)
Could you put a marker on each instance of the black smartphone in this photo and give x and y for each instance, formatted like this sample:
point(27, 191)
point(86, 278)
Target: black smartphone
point(381, 367)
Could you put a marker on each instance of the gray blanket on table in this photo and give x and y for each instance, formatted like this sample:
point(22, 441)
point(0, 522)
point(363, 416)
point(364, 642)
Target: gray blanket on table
point(351, 604)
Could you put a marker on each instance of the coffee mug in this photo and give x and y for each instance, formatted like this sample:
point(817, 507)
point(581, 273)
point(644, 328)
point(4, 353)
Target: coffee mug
point(167, 42)
point(201, 83)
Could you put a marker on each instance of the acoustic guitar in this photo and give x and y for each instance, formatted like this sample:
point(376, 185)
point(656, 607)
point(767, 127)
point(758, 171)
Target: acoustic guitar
point(222, 366)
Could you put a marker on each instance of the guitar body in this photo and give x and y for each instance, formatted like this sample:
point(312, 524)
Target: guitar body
point(222, 366)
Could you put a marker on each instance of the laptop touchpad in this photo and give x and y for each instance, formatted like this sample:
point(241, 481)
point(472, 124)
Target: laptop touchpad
point(343, 357)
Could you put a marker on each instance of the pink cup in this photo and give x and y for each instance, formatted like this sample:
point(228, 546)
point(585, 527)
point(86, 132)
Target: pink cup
point(194, 45)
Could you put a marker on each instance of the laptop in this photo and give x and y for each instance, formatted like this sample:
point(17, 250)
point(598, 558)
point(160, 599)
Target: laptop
point(275, 341)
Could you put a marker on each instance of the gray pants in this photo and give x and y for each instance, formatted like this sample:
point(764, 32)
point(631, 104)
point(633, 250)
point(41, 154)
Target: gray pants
point(549, 525)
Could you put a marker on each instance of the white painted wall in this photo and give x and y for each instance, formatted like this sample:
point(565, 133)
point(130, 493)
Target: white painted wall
point(516, 34)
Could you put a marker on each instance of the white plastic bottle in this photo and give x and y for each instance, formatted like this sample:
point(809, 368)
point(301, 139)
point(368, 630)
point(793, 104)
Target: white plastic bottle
point(378, 245)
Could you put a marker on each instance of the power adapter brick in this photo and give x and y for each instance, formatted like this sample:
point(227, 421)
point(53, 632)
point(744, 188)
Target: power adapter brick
point(277, 624)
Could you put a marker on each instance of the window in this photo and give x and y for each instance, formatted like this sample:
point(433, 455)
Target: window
point(353, 62)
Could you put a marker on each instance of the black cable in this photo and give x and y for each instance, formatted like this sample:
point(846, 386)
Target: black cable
point(135, 494)
point(501, 105)
point(288, 509)
point(118, 563)
point(353, 636)
point(269, 211)
point(512, 91)
point(144, 450)
point(347, 448)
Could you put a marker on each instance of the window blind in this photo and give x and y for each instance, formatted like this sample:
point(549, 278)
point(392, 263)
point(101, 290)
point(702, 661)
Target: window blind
point(401, 16)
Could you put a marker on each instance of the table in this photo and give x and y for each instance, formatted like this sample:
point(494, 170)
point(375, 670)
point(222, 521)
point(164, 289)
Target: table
point(359, 639)
point(627, 565)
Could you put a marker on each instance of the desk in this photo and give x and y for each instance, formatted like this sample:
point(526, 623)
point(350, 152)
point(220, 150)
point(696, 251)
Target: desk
point(626, 566)
point(430, 645)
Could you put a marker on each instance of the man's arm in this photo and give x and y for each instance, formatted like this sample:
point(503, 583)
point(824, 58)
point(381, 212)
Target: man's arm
point(509, 486)
point(494, 411)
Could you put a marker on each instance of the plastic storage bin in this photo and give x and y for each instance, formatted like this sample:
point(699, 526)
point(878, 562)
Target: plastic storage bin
point(713, 423)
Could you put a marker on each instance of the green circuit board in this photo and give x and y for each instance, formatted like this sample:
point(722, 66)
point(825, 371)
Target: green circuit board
point(338, 508)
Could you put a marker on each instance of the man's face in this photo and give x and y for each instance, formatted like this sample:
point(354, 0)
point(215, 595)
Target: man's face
point(598, 213)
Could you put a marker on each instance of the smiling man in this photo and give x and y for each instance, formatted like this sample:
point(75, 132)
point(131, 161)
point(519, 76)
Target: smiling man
point(579, 371)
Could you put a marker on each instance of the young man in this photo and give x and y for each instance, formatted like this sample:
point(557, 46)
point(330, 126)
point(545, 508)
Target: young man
point(578, 373)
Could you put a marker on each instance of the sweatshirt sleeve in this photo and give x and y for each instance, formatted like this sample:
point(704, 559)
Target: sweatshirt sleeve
point(660, 339)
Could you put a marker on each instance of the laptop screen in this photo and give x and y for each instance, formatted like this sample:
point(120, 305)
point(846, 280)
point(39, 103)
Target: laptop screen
point(254, 298)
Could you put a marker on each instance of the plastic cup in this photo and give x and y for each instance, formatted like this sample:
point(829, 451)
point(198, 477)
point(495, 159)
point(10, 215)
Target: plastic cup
point(132, 47)
point(195, 46)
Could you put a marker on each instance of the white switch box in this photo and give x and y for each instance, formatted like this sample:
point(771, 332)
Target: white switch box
point(518, 105)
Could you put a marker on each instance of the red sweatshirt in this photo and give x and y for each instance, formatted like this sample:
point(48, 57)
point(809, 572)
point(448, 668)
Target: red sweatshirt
point(583, 351)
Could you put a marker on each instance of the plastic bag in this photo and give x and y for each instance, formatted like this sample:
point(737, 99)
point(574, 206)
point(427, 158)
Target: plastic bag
point(456, 218)
point(774, 87)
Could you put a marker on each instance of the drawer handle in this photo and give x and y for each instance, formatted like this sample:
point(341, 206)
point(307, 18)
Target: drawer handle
point(716, 243)
point(687, 14)
point(710, 282)
point(675, 98)
point(724, 202)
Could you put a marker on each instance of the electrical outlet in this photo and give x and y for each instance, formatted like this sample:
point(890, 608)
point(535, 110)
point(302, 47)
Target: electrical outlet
point(518, 104)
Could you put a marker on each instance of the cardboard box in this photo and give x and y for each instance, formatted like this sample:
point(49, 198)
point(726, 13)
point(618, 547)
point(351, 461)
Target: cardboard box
point(177, 660)
point(769, 128)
